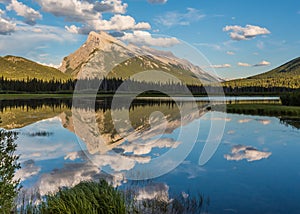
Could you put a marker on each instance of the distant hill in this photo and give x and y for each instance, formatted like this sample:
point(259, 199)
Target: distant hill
point(289, 69)
point(18, 68)
point(287, 75)
point(103, 55)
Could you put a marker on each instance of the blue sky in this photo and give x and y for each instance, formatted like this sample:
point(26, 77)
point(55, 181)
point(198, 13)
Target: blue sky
point(239, 38)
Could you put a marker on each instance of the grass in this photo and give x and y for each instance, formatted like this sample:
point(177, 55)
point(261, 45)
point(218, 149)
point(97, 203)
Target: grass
point(101, 198)
point(86, 197)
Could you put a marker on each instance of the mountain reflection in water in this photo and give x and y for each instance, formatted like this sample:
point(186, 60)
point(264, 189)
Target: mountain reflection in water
point(256, 163)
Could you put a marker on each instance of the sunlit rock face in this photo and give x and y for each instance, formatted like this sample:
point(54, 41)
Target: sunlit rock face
point(73, 63)
point(104, 56)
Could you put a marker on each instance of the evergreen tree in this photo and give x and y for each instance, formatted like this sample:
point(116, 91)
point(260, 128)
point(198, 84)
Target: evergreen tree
point(9, 187)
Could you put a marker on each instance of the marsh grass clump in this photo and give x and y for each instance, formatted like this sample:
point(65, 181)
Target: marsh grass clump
point(86, 197)
point(102, 198)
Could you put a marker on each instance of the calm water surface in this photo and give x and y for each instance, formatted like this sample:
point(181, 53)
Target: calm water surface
point(254, 170)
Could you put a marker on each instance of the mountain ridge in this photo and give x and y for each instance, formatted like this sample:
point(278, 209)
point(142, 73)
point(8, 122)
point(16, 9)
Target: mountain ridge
point(284, 76)
point(19, 68)
point(291, 67)
point(100, 49)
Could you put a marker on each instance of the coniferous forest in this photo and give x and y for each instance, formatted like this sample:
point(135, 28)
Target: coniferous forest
point(111, 85)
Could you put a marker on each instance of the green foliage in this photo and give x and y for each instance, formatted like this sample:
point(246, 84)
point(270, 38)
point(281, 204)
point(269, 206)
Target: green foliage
point(9, 187)
point(86, 197)
point(18, 68)
point(291, 99)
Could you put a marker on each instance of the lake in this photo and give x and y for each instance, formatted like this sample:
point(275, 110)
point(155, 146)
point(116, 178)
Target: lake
point(240, 163)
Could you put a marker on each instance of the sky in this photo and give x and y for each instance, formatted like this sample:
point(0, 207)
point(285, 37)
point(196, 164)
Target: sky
point(239, 38)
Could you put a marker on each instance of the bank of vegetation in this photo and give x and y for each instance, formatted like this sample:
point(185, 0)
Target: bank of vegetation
point(291, 99)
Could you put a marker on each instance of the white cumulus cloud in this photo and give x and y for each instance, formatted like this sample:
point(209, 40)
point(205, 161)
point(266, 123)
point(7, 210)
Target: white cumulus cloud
point(117, 22)
point(262, 63)
point(247, 120)
point(71, 10)
point(89, 15)
point(30, 15)
point(146, 148)
point(159, 191)
point(6, 26)
point(68, 176)
point(28, 169)
point(244, 33)
point(221, 66)
point(145, 38)
point(230, 53)
point(112, 6)
point(249, 153)
point(243, 64)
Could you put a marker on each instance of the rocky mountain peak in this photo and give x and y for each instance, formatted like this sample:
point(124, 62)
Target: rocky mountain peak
point(103, 53)
point(100, 37)
point(95, 41)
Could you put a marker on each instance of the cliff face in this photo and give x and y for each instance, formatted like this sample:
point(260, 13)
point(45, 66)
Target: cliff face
point(73, 63)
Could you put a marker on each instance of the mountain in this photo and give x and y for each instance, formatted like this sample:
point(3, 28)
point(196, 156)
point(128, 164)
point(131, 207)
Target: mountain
point(286, 75)
point(289, 69)
point(103, 55)
point(18, 68)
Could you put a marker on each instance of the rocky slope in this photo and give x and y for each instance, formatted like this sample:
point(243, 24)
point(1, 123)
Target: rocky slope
point(103, 55)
